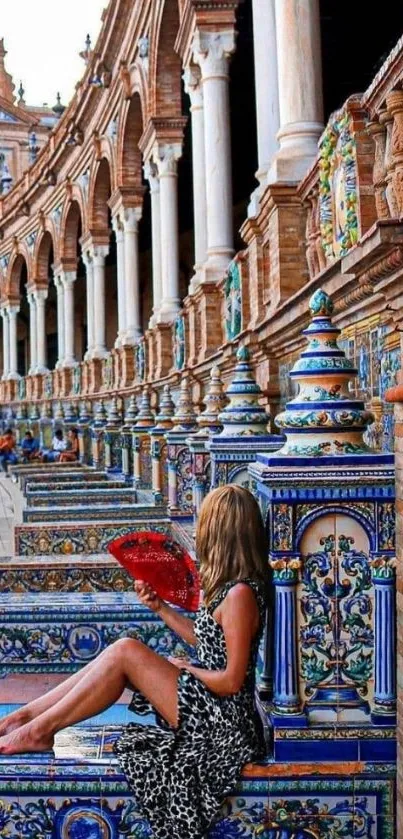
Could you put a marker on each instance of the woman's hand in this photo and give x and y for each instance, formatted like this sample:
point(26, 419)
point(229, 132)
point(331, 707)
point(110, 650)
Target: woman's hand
point(180, 663)
point(147, 596)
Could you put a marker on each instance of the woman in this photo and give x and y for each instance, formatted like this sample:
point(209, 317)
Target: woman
point(72, 451)
point(208, 728)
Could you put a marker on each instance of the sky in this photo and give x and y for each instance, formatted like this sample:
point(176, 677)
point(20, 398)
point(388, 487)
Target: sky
point(43, 39)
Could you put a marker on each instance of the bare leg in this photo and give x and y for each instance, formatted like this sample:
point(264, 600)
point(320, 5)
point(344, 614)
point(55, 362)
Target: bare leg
point(33, 709)
point(125, 661)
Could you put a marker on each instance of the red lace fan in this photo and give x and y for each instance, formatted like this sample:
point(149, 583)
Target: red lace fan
point(162, 563)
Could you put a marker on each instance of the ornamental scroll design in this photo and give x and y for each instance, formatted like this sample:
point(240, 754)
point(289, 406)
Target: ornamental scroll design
point(336, 635)
point(338, 187)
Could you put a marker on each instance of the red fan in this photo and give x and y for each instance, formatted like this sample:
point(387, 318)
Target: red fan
point(162, 563)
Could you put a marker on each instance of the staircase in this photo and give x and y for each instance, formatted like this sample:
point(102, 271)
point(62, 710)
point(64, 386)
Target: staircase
point(64, 599)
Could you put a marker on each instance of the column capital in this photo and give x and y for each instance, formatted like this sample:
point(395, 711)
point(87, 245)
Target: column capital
point(117, 223)
point(40, 295)
point(98, 253)
point(212, 52)
point(131, 218)
point(193, 86)
point(165, 157)
point(151, 175)
point(12, 310)
point(68, 278)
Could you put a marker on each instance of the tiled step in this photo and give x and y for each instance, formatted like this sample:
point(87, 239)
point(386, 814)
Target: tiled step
point(58, 633)
point(80, 791)
point(80, 537)
point(91, 513)
point(86, 483)
point(49, 474)
point(91, 573)
point(68, 497)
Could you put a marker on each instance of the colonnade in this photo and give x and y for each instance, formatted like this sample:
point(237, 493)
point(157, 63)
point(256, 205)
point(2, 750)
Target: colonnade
point(288, 83)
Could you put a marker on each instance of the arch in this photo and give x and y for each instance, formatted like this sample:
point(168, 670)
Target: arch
point(100, 192)
point(78, 195)
point(129, 158)
point(44, 245)
point(350, 512)
point(17, 261)
point(166, 64)
point(71, 221)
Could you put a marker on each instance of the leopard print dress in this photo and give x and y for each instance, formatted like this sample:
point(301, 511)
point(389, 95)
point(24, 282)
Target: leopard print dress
point(181, 776)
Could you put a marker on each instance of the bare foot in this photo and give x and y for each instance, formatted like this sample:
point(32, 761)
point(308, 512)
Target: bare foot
point(14, 720)
point(25, 739)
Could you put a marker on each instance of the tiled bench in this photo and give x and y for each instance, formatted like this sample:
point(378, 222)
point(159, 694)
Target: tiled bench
point(80, 537)
point(92, 513)
point(93, 482)
point(58, 633)
point(80, 791)
point(83, 496)
point(79, 573)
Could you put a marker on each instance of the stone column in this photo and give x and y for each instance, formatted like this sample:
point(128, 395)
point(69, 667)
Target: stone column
point(13, 363)
point(193, 87)
point(212, 51)
point(98, 256)
point(286, 699)
point(151, 175)
point(6, 342)
point(40, 300)
point(300, 88)
point(68, 280)
point(33, 337)
point(120, 259)
point(266, 88)
point(384, 580)
point(61, 346)
point(166, 157)
point(131, 218)
point(89, 274)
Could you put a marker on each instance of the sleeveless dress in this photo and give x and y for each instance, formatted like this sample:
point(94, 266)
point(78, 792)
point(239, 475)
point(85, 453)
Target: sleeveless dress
point(180, 776)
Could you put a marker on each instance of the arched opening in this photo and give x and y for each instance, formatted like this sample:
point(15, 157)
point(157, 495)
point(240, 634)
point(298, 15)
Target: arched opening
point(45, 279)
point(168, 95)
point(243, 119)
point(18, 284)
point(102, 224)
point(171, 101)
point(72, 255)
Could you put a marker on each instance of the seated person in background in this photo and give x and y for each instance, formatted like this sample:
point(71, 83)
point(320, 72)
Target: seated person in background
point(7, 449)
point(59, 445)
point(72, 451)
point(29, 447)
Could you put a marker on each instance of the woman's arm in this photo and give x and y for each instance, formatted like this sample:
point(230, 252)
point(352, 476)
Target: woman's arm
point(239, 618)
point(178, 623)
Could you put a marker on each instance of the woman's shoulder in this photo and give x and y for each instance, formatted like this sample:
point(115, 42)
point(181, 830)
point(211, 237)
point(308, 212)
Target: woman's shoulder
point(241, 591)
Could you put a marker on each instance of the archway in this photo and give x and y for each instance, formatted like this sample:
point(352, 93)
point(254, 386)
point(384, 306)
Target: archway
point(44, 279)
point(102, 226)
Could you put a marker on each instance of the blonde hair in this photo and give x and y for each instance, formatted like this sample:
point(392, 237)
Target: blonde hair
point(230, 539)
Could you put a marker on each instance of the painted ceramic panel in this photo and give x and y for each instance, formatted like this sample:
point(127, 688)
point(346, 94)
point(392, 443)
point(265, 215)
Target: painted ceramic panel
point(336, 630)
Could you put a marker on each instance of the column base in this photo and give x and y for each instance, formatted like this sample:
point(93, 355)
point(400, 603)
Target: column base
point(298, 151)
point(97, 354)
point(40, 370)
point(168, 314)
point(298, 720)
point(381, 718)
point(131, 337)
point(216, 266)
point(208, 326)
point(69, 363)
point(94, 375)
point(13, 377)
